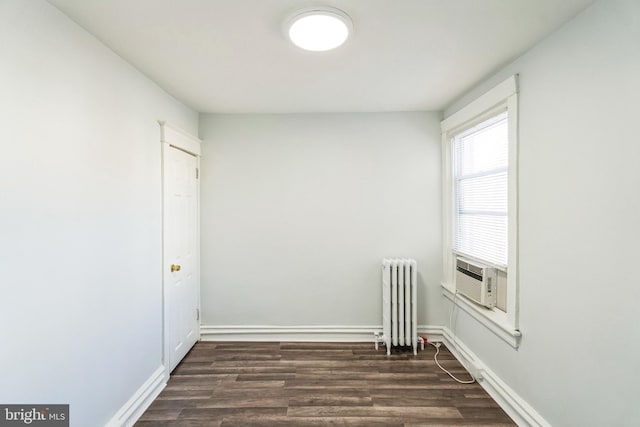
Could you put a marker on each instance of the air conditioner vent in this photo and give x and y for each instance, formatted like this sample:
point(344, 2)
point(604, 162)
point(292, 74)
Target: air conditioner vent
point(476, 281)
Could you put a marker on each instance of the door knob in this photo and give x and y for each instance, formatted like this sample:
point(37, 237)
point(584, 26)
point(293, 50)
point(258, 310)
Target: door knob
point(175, 267)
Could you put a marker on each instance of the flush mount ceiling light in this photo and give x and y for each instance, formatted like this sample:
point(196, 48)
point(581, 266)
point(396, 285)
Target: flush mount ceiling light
point(319, 28)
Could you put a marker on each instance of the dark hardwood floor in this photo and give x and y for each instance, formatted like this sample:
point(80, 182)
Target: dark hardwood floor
point(235, 384)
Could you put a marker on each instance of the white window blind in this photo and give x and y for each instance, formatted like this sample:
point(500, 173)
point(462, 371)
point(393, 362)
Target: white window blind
point(481, 165)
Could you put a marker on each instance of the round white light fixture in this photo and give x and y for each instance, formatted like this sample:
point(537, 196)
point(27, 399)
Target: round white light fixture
point(319, 28)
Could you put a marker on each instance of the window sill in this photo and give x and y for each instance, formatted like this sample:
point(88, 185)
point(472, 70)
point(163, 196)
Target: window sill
point(494, 320)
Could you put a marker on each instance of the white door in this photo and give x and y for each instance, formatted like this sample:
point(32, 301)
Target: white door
point(181, 263)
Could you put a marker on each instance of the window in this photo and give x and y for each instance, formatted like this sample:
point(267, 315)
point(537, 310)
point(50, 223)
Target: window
point(479, 147)
point(480, 167)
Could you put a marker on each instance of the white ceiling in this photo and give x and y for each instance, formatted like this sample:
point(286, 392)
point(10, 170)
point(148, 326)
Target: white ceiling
point(232, 57)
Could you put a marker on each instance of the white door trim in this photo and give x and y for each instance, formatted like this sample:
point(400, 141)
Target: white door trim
point(173, 136)
point(179, 138)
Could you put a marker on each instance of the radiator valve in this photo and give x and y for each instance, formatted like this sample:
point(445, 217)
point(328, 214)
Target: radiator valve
point(377, 338)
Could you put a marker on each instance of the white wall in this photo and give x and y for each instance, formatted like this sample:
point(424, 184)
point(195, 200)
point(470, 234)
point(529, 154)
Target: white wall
point(299, 210)
point(579, 232)
point(80, 216)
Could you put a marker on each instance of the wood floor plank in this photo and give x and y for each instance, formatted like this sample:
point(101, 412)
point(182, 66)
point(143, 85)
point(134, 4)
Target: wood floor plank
point(411, 401)
point(374, 411)
point(313, 422)
point(161, 414)
point(233, 356)
point(210, 386)
point(172, 404)
point(199, 378)
point(178, 394)
point(330, 400)
point(218, 414)
point(324, 384)
point(486, 402)
point(267, 376)
point(264, 384)
point(327, 392)
point(369, 375)
point(313, 346)
point(232, 384)
point(495, 414)
point(418, 393)
point(249, 393)
point(230, 370)
point(437, 385)
point(179, 423)
point(247, 402)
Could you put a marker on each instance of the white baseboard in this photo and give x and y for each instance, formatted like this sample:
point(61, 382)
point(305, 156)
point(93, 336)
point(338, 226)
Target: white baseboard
point(362, 333)
point(333, 333)
point(140, 401)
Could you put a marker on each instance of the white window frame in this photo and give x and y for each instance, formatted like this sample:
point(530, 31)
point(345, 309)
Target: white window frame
point(503, 97)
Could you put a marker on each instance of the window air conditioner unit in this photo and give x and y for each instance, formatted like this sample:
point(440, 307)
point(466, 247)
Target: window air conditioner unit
point(476, 281)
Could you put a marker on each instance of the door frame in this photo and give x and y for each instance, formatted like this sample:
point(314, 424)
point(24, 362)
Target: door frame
point(174, 137)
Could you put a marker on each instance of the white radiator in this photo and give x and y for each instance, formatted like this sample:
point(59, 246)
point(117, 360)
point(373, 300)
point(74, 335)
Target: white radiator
point(399, 304)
